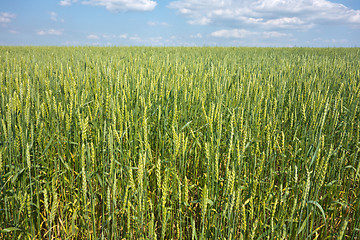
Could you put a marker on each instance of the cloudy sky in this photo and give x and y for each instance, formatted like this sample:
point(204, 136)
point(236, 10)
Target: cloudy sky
point(308, 23)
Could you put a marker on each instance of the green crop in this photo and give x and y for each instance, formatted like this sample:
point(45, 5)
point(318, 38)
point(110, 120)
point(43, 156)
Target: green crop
point(179, 143)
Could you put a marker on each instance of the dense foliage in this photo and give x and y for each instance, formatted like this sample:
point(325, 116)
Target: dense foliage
point(179, 143)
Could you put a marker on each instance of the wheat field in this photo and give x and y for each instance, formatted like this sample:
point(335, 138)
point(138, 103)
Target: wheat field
point(179, 143)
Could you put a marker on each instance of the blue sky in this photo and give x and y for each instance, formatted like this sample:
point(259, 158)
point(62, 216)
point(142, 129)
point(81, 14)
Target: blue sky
point(279, 23)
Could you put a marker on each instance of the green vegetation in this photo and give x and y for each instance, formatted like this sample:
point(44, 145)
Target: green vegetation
point(179, 143)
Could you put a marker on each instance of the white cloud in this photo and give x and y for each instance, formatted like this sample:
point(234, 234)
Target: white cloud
point(135, 38)
point(92, 36)
point(201, 21)
point(123, 36)
point(329, 41)
point(287, 23)
point(6, 17)
point(114, 36)
point(243, 33)
point(267, 14)
point(107, 36)
point(198, 35)
point(124, 5)
point(50, 32)
point(151, 41)
point(13, 31)
point(156, 41)
point(54, 17)
point(355, 18)
point(65, 3)
point(155, 23)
